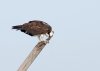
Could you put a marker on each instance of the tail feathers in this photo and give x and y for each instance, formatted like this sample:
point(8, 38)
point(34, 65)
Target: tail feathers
point(18, 27)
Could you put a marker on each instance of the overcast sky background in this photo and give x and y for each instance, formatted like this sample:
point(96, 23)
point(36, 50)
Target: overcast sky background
point(75, 45)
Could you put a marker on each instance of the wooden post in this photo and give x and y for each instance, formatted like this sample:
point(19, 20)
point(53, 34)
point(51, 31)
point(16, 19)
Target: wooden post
point(33, 54)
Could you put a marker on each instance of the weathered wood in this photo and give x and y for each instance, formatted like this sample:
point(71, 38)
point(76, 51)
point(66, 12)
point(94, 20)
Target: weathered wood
point(33, 54)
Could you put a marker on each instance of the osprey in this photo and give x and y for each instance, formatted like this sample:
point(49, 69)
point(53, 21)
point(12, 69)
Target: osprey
point(35, 28)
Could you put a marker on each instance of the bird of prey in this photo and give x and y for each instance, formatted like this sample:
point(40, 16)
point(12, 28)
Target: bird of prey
point(35, 28)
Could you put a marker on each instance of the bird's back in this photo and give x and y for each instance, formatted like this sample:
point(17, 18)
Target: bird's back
point(34, 28)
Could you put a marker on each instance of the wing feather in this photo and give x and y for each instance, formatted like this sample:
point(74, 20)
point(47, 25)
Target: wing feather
point(33, 28)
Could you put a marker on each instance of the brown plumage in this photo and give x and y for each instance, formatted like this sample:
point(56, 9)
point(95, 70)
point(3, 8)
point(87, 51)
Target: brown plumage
point(34, 28)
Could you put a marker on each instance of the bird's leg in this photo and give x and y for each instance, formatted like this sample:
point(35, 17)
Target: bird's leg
point(46, 35)
point(39, 37)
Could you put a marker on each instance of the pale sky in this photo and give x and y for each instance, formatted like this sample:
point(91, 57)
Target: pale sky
point(75, 45)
